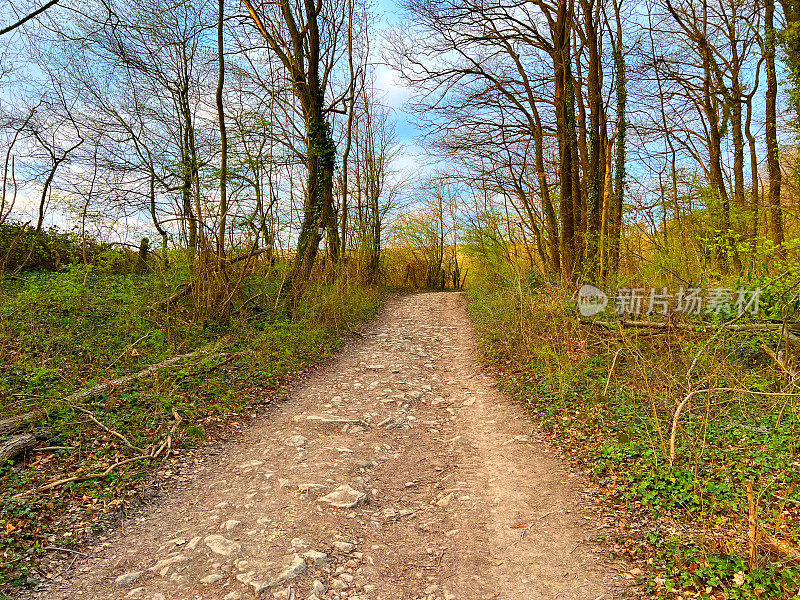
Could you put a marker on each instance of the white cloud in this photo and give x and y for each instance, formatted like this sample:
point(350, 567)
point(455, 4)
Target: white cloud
point(391, 88)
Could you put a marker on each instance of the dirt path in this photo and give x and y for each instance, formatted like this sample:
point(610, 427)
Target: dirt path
point(452, 498)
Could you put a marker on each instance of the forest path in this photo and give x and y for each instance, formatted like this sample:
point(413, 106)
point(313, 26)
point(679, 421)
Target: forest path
point(452, 498)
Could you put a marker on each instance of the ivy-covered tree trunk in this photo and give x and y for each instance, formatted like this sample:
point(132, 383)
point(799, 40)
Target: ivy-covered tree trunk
point(615, 230)
point(563, 97)
point(308, 56)
point(790, 37)
point(773, 152)
point(317, 211)
point(594, 177)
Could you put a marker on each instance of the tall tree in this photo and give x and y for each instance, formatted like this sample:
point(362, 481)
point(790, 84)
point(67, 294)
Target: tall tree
point(773, 157)
point(223, 134)
point(304, 35)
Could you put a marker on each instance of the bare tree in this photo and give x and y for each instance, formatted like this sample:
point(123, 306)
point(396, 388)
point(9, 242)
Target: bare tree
point(306, 37)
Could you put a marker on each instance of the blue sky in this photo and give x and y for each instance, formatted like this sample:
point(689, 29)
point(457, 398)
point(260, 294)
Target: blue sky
point(395, 94)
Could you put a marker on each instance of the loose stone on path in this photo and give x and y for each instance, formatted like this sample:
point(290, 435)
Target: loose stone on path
point(344, 496)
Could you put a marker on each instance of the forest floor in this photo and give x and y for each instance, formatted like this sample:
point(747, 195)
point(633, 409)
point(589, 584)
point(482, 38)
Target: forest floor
point(397, 471)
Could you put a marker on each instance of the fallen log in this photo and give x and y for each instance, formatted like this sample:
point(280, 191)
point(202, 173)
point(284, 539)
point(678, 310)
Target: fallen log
point(789, 336)
point(16, 445)
point(11, 424)
point(102, 388)
point(175, 297)
point(689, 326)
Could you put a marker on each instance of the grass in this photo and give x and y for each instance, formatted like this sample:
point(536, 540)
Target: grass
point(66, 331)
point(687, 520)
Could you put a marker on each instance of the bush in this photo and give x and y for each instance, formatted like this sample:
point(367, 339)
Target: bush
point(22, 249)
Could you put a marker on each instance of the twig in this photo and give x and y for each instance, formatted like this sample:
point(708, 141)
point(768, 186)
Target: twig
point(69, 566)
point(60, 482)
point(128, 348)
point(752, 529)
point(610, 371)
point(111, 431)
point(778, 547)
point(785, 499)
point(691, 395)
point(232, 357)
point(60, 549)
point(241, 274)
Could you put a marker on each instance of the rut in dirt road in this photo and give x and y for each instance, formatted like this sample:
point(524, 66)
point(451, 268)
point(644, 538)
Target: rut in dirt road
point(397, 472)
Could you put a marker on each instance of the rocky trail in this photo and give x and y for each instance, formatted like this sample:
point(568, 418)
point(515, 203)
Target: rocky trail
point(396, 472)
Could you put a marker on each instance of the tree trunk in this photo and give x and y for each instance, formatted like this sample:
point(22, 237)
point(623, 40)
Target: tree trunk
point(594, 177)
point(615, 229)
point(551, 223)
point(321, 154)
point(715, 155)
point(223, 136)
point(773, 158)
point(563, 98)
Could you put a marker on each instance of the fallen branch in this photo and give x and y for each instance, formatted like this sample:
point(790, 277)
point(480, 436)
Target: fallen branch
point(153, 454)
point(176, 296)
point(248, 255)
point(780, 548)
point(693, 327)
point(75, 478)
point(780, 360)
point(675, 418)
point(690, 395)
point(111, 431)
point(102, 388)
point(11, 424)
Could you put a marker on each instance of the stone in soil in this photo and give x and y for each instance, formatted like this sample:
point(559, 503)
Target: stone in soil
point(296, 441)
point(318, 559)
point(296, 567)
point(344, 496)
point(345, 547)
point(222, 545)
point(127, 579)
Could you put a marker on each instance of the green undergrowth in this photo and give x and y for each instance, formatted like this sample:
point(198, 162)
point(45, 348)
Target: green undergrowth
point(617, 424)
point(68, 331)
